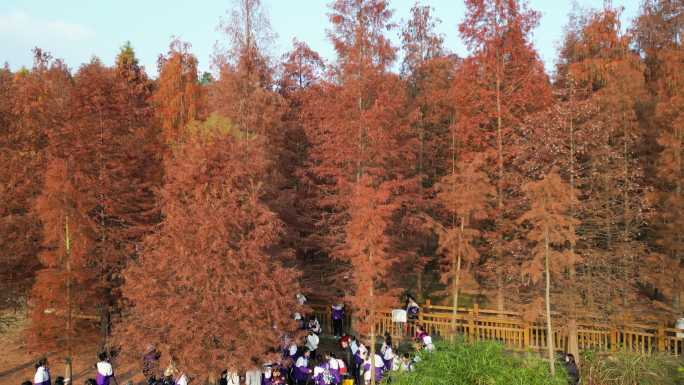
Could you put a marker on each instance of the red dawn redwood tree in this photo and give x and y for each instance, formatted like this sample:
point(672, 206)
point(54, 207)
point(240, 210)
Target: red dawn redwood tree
point(552, 229)
point(178, 98)
point(103, 165)
point(428, 72)
point(360, 142)
point(209, 288)
point(464, 194)
point(244, 91)
point(611, 75)
point(32, 102)
point(302, 73)
point(495, 88)
point(670, 192)
point(658, 35)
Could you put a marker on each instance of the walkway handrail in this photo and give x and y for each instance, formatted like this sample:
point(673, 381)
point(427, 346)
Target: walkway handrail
point(509, 328)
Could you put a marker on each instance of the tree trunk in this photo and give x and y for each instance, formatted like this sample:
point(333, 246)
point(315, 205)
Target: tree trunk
point(419, 285)
point(499, 184)
point(371, 299)
point(457, 278)
point(573, 347)
point(67, 245)
point(547, 296)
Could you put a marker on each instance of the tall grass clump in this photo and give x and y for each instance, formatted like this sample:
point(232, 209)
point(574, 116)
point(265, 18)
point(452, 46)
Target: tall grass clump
point(479, 363)
point(626, 368)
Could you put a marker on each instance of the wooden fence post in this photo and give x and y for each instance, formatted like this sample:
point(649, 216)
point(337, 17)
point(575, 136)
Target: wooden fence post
point(660, 336)
point(471, 325)
point(613, 340)
point(573, 344)
point(526, 335)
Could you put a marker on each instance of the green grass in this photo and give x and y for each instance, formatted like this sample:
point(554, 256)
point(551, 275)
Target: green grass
point(625, 368)
point(480, 363)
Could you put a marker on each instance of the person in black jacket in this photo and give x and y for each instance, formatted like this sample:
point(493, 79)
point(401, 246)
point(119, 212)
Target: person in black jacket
point(571, 369)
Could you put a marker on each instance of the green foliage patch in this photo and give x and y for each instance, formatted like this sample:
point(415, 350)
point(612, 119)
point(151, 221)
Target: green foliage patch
point(480, 363)
point(625, 368)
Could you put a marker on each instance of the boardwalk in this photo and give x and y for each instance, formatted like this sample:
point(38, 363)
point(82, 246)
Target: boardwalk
point(509, 328)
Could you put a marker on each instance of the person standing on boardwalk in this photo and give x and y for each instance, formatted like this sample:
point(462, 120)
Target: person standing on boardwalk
point(338, 319)
point(412, 309)
point(42, 376)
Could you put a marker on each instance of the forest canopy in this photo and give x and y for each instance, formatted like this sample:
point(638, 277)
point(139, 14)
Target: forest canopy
point(389, 169)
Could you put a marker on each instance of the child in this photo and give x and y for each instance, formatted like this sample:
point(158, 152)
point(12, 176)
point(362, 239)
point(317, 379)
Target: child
point(427, 343)
point(183, 379)
point(42, 376)
point(337, 319)
point(229, 378)
point(359, 359)
point(301, 371)
point(278, 376)
point(292, 351)
point(311, 344)
point(378, 366)
point(420, 333)
point(571, 369)
point(321, 374)
point(333, 365)
point(104, 370)
point(150, 364)
point(387, 353)
point(412, 308)
point(267, 375)
point(405, 363)
point(314, 325)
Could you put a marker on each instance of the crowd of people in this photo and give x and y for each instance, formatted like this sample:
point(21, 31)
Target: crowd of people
point(301, 362)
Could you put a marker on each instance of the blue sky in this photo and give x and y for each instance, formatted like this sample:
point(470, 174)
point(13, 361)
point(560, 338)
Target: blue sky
point(75, 30)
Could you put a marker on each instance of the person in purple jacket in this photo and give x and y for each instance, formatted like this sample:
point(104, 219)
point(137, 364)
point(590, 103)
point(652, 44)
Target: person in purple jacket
point(333, 365)
point(338, 319)
point(321, 374)
point(378, 365)
point(301, 372)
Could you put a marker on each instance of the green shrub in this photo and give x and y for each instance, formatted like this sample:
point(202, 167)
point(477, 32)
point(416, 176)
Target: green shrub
point(631, 369)
point(481, 363)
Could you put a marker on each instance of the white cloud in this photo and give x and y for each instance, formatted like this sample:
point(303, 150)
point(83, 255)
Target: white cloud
point(21, 25)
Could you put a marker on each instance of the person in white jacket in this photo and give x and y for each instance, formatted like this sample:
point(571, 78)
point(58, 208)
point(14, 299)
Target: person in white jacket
point(312, 341)
point(42, 376)
point(230, 378)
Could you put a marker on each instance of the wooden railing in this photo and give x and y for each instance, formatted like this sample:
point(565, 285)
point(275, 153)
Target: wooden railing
point(509, 328)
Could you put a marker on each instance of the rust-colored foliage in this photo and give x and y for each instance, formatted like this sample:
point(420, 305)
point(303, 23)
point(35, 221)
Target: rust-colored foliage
point(178, 98)
point(464, 194)
point(428, 72)
point(31, 103)
point(495, 88)
point(610, 76)
point(209, 288)
point(656, 32)
point(359, 139)
point(103, 165)
point(552, 231)
point(376, 177)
